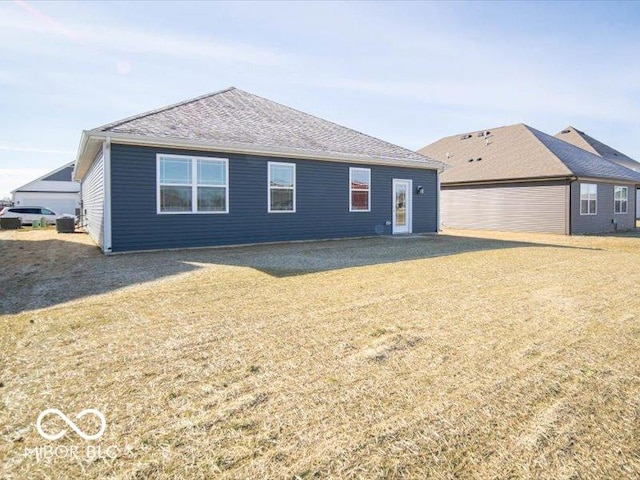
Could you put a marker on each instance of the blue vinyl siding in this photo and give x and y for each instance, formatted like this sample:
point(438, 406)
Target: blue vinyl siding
point(322, 203)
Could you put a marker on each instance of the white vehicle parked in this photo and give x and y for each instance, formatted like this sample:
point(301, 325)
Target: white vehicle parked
point(29, 214)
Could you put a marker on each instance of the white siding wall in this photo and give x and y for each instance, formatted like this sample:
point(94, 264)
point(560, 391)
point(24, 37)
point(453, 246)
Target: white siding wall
point(59, 202)
point(512, 207)
point(93, 201)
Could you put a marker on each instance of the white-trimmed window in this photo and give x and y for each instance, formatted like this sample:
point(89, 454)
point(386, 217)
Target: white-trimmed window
point(620, 199)
point(359, 189)
point(588, 199)
point(192, 184)
point(282, 187)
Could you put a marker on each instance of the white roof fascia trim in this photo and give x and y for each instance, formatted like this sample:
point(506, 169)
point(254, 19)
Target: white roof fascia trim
point(82, 147)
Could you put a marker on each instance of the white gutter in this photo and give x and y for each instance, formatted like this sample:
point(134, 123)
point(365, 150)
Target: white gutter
point(129, 139)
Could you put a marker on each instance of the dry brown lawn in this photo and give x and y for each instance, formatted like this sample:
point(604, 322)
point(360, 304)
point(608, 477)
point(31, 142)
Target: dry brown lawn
point(465, 355)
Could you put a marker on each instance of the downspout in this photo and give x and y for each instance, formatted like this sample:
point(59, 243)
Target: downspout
point(106, 155)
point(569, 204)
point(438, 206)
point(637, 204)
point(81, 216)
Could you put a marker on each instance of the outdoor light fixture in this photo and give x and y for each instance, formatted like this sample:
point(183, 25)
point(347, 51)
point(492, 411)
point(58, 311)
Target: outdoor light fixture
point(420, 190)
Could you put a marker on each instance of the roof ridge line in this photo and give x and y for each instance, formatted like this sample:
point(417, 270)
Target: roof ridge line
point(582, 137)
point(557, 159)
point(588, 137)
point(604, 150)
point(117, 123)
point(481, 130)
point(596, 157)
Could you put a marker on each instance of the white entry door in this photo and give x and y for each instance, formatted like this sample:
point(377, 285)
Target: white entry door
point(402, 190)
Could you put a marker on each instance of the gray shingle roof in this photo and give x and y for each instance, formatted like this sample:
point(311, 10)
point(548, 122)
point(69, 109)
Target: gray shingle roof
point(519, 152)
point(583, 163)
point(233, 116)
point(580, 139)
point(63, 173)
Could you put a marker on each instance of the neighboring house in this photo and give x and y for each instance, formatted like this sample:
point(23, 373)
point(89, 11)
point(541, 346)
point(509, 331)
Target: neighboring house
point(580, 139)
point(521, 179)
point(590, 144)
point(234, 168)
point(56, 191)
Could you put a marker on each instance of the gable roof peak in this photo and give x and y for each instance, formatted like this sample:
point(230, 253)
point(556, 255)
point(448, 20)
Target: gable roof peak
point(571, 128)
point(233, 120)
point(148, 113)
point(54, 174)
point(584, 141)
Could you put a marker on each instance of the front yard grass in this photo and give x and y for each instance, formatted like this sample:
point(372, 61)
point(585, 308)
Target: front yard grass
point(470, 354)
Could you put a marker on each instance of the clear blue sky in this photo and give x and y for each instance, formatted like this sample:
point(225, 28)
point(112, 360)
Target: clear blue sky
point(409, 73)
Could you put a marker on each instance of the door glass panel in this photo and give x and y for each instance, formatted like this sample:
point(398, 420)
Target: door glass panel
point(401, 205)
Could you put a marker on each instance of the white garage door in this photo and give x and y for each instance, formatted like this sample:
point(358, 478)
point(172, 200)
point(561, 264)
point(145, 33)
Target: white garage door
point(62, 203)
point(511, 207)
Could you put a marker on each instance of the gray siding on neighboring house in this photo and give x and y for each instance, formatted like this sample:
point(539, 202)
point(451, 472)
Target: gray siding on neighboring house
point(526, 207)
point(92, 189)
point(64, 175)
point(603, 221)
point(322, 203)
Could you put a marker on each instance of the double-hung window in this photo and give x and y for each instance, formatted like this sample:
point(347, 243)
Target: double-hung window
point(192, 184)
point(359, 189)
point(588, 199)
point(282, 187)
point(620, 199)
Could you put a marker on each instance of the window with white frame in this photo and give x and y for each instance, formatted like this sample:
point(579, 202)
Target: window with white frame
point(359, 189)
point(192, 184)
point(282, 187)
point(588, 199)
point(620, 199)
